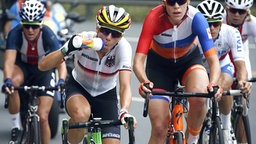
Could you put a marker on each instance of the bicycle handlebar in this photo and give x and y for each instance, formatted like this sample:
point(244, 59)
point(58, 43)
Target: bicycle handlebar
point(191, 94)
point(35, 88)
point(185, 95)
point(29, 89)
point(98, 123)
point(253, 79)
point(93, 123)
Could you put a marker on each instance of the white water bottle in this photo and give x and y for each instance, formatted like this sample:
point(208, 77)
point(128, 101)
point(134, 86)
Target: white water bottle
point(94, 43)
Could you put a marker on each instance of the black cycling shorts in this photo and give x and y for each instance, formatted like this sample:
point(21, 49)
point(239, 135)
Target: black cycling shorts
point(33, 76)
point(104, 106)
point(165, 73)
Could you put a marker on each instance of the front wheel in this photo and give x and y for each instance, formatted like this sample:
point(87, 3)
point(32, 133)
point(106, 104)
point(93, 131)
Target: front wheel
point(216, 132)
point(204, 133)
point(54, 116)
point(34, 130)
point(64, 131)
point(242, 122)
point(177, 138)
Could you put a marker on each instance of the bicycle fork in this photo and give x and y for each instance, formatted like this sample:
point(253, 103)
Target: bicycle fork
point(32, 123)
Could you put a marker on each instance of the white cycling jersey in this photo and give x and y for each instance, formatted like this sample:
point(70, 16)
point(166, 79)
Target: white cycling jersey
point(247, 29)
point(99, 76)
point(229, 39)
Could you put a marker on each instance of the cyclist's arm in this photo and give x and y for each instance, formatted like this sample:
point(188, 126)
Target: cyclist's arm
point(238, 53)
point(125, 89)
point(149, 29)
point(139, 68)
point(50, 61)
point(7, 27)
point(241, 72)
point(205, 39)
point(62, 70)
point(214, 67)
point(9, 62)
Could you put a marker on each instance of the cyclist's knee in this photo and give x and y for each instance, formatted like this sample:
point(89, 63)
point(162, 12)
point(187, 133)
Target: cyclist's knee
point(80, 115)
point(197, 103)
point(43, 118)
point(17, 81)
point(159, 130)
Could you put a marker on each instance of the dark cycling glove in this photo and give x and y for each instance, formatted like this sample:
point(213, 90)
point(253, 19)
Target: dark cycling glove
point(61, 85)
point(74, 43)
point(7, 83)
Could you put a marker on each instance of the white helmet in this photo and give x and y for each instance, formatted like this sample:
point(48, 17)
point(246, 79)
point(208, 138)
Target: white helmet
point(32, 11)
point(212, 10)
point(239, 4)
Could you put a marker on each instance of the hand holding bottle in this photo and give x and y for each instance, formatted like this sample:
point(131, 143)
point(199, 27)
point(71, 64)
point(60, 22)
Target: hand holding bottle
point(89, 40)
point(83, 40)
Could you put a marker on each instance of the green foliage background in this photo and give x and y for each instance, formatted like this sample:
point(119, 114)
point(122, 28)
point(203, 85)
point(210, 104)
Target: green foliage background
point(137, 13)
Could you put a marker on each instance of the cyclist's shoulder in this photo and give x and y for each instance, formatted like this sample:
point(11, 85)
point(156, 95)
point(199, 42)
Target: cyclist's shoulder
point(229, 30)
point(250, 22)
point(194, 14)
point(123, 47)
point(156, 13)
point(48, 35)
point(46, 29)
point(124, 43)
point(15, 32)
point(197, 19)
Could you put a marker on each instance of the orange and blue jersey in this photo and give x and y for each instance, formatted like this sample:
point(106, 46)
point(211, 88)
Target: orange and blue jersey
point(175, 41)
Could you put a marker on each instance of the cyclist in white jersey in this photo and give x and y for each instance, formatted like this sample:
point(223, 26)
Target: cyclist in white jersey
point(239, 16)
point(226, 39)
point(92, 86)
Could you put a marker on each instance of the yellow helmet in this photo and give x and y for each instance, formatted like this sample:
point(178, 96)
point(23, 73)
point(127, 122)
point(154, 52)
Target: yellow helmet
point(113, 18)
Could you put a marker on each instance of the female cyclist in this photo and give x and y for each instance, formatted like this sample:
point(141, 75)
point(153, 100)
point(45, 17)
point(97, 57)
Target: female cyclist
point(168, 41)
point(226, 39)
point(92, 86)
point(27, 44)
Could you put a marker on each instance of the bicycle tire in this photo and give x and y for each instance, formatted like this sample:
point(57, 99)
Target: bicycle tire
point(53, 117)
point(167, 140)
point(85, 141)
point(178, 137)
point(34, 131)
point(64, 131)
point(246, 125)
point(216, 132)
point(202, 137)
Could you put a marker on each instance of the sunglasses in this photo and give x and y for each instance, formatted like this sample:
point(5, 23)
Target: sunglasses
point(240, 11)
point(214, 24)
point(27, 26)
point(114, 34)
point(173, 2)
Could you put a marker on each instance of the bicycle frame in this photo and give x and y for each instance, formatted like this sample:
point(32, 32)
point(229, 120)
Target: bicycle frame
point(94, 126)
point(31, 125)
point(238, 113)
point(213, 123)
point(175, 132)
point(178, 127)
point(240, 117)
point(176, 122)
